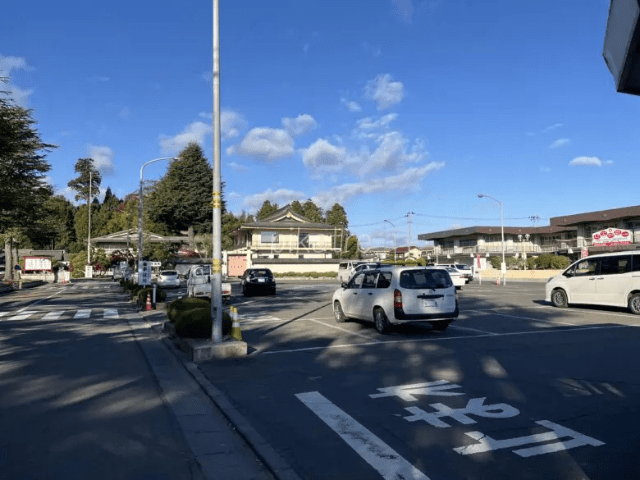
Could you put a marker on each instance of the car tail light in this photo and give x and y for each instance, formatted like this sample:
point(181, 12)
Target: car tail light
point(397, 299)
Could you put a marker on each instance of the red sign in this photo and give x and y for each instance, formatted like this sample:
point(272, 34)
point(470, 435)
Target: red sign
point(611, 237)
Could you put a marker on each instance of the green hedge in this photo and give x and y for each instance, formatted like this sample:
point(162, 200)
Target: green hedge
point(161, 295)
point(196, 323)
point(306, 274)
point(182, 304)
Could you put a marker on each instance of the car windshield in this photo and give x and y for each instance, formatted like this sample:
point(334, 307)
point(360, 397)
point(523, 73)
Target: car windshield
point(169, 273)
point(419, 279)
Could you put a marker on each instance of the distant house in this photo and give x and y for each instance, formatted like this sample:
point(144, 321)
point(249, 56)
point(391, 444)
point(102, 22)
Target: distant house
point(405, 253)
point(124, 240)
point(285, 242)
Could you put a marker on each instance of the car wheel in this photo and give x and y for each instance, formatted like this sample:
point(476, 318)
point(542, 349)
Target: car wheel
point(441, 326)
point(381, 321)
point(559, 298)
point(338, 313)
point(245, 291)
point(634, 303)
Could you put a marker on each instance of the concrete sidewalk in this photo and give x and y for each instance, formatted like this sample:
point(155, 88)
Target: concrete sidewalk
point(223, 442)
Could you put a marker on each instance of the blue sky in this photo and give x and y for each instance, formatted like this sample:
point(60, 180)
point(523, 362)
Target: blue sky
point(386, 106)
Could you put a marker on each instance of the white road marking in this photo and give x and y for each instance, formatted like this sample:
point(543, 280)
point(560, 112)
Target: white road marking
point(2, 314)
point(336, 327)
point(557, 432)
point(373, 450)
point(408, 392)
point(110, 313)
point(83, 313)
point(55, 315)
point(444, 339)
point(490, 312)
point(485, 332)
point(24, 314)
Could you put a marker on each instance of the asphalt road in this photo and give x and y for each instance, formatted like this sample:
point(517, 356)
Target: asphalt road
point(514, 389)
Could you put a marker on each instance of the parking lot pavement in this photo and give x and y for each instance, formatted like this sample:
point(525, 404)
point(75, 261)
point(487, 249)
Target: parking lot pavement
point(514, 389)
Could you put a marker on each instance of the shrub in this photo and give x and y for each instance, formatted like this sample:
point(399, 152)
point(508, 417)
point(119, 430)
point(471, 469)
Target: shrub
point(182, 304)
point(161, 295)
point(196, 323)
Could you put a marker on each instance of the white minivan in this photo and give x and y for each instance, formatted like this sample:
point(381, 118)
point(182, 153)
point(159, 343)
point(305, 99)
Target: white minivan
point(606, 279)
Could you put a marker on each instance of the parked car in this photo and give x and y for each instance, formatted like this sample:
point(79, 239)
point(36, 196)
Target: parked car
point(463, 270)
point(346, 270)
point(168, 279)
point(396, 295)
point(608, 279)
point(258, 280)
point(466, 270)
point(458, 279)
point(199, 283)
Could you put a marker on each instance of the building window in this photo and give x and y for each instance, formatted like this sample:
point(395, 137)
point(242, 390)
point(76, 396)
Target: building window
point(550, 239)
point(303, 240)
point(269, 237)
point(447, 244)
point(468, 242)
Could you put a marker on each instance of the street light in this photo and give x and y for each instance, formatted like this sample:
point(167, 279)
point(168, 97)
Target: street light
point(503, 267)
point(524, 237)
point(395, 243)
point(140, 205)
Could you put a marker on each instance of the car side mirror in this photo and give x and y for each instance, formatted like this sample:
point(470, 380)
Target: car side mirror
point(344, 285)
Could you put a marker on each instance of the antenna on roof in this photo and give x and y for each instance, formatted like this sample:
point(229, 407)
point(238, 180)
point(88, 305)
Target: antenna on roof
point(534, 219)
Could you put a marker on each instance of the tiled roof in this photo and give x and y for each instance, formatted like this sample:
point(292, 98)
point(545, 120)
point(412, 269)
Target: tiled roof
point(599, 216)
point(462, 232)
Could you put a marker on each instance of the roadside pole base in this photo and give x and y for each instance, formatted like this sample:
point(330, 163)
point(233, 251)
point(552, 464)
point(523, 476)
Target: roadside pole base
point(204, 350)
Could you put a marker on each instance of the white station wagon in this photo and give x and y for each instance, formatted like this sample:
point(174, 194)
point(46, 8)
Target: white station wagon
point(608, 279)
point(397, 295)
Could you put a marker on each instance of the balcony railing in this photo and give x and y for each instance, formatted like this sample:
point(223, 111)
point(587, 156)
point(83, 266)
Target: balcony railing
point(293, 246)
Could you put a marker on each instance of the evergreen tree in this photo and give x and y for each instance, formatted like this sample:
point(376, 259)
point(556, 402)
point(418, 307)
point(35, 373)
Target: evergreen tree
point(183, 197)
point(22, 169)
point(296, 206)
point(266, 210)
point(88, 181)
point(337, 217)
point(312, 211)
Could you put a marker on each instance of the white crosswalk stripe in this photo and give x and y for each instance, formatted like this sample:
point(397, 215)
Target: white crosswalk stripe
point(83, 314)
point(110, 313)
point(23, 315)
point(2, 314)
point(55, 315)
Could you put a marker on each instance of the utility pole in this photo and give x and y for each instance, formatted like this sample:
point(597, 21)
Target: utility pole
point(408, 215)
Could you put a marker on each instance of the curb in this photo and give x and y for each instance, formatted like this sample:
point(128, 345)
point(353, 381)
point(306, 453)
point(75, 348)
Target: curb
point(271, 459)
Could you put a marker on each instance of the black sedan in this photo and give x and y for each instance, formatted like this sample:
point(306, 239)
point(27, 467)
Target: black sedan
point(258, 280)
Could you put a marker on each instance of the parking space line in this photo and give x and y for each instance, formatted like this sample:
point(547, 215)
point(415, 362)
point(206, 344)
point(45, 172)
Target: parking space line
point(336, 327)
point(386, 461)
point(489, 312)
point(443, 339)
point(486, 332)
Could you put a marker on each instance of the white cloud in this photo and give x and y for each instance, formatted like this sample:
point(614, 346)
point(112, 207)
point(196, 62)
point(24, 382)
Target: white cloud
point(322, 157)
point(409, 179)
point(237, 167)
point(281, 197)
point(7, 65)
point(552, 127)
point(353, 106)
point(560, 142)
point(231, 122)
point(364, 126)
point(404, 9)
point(195, 132)
point(300, 125)
point(384, 91)
point(266, 143)
point(586, 161)
point(392, 154)
point(102, 158)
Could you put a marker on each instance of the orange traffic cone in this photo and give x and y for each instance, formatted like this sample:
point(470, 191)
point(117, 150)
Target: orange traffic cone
point(148, 306)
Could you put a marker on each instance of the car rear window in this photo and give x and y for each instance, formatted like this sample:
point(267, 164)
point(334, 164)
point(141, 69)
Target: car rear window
point(261, 273)
point(169, 272)
point(418, 279)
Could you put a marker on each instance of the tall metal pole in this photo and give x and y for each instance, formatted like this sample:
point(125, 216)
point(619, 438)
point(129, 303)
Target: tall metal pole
point(395, 241)
point(409, 231)
point(503, 267)
point(216, 285)
point(89, 235)
point(140, 206)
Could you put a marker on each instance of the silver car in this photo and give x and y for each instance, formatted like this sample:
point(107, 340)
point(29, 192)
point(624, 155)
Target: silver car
point(168, 279)
point(397, 295)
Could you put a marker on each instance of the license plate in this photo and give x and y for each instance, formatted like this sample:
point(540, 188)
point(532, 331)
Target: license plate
point(261, 280)
point(429, 303)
